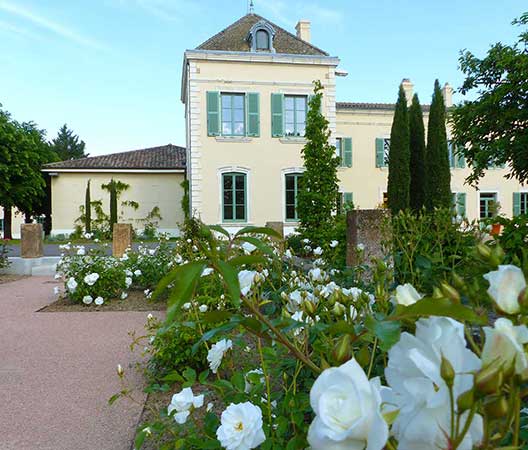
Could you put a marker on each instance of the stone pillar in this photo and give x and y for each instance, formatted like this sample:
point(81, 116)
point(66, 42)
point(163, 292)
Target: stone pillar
point(365, 228)
point(277, 226)
point(31, 245)
point(122, 239)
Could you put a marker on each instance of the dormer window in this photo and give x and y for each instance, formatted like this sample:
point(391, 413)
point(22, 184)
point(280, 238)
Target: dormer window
point(263, 40)
point(261, 36)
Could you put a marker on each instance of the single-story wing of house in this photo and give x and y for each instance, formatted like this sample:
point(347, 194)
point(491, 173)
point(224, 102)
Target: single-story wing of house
point(153, 189)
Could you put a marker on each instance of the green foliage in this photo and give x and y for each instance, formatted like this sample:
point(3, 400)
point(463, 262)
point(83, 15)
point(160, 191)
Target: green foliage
point(115, 188)
point(185, 202)
point(417, 155)
point(4, 261)
point(88, 209)
point(399, 157)
point(23, 150)
point(67, 145)
point(489, 126)
point(438, 172)
point(316, 199)
point(150, 223)
point(428, 247)
point(514, 238)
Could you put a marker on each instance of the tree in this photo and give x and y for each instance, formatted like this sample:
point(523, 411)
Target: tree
point(23, 150)
point(493, 128)
point(317, 196)
point(67, 145)
point(88, 209)
point(115, 188)
point(417, 151)
point(438, 172)
point(399, 157)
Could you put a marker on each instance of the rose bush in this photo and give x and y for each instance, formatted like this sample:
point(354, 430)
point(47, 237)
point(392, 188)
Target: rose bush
point(299, 358)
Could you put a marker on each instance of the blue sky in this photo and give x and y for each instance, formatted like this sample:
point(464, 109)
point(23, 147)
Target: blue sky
point(111, 69)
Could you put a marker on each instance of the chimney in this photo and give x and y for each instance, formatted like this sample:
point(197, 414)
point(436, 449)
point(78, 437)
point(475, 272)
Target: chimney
point(303, 30)
point(408, 88)
point(447, 92)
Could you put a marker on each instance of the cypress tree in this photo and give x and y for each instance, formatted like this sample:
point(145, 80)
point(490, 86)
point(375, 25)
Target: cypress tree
point(113, 204)
point(417, 150)
point(317, 195)
point(399, 157)
point(88, 209)
point(438, 173)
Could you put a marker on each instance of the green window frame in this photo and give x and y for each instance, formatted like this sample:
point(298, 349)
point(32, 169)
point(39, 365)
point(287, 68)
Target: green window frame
point(459, 203)
point(486, 201)
point(382, 152)
point(291, 191)
point(233, 110)
point(234, 197)
point(295, 112)
point(520, 203)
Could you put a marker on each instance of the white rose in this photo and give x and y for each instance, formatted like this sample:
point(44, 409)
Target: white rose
point(318, 251)
point(128, 282)
point(246, 278)
point(334, 244)
point(124, 295)
point(87, 299)
point(506, 284)
point(71, 285)
point(348, 410)
point(137, 273)
point(248, 382)
point(241, 427)
point(99, 301)
point(360, 247)
point(288, 254)
point(420, 393)
point(306, 241)
point(316, 274)
point(248, 248)
point(207, 271)
point(407, 295)
point(505, 345)
point(202, 308)
point(216, 353)
point(81, 251)
point(186, 306)
point(182, 404)
point(91, 279)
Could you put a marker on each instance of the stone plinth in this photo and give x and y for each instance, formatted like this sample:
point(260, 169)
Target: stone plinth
point(31, 245)
point(122, 239)
point(277, 226)
point(365, 228)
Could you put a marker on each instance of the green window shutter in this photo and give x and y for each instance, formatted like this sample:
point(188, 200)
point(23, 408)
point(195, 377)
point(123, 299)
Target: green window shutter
point(348, 197)
point(461, 204)
point(347, 152)
point(380, 153)
point(213, 113)
point(277, 120)
point(253, 114)
point(516, 204)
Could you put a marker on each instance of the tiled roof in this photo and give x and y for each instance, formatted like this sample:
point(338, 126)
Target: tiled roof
point(154, 158)
point(234, 38)
point(372, 106)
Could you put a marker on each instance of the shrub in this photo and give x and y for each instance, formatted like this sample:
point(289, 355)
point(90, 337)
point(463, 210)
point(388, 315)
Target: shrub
point(514, 237)
point(4, 261)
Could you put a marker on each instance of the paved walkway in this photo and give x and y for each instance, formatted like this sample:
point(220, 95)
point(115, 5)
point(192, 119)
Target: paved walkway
point(58, 370)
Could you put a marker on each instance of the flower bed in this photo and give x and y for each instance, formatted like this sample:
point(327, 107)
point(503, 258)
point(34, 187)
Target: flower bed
point(275, 357)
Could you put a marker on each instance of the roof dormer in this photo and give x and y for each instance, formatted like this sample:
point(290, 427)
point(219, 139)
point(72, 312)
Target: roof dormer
point(260, 37)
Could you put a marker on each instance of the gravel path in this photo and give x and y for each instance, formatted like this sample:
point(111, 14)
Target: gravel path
point(58, 370)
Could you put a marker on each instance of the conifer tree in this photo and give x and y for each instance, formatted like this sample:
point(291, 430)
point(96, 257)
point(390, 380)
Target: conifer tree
point(88, 209)
point(438, 173)
point(417, 150)
point(68, 145)
point(399, 157)
point(317, 196)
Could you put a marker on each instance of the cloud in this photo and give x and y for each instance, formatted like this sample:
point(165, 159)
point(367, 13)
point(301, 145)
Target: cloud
point(51, 26)
point(10, 28)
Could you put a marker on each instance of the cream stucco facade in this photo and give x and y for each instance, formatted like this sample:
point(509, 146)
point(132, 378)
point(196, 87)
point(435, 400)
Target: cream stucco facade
point(146, 188)
point(17, 220)
point(264, 160)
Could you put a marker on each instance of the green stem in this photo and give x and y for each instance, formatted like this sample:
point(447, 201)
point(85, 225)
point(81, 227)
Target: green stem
point(372, 356)
point(281, 338)
point(452, 407)
point(266, 378)
point(461, 436)
point(517, 423)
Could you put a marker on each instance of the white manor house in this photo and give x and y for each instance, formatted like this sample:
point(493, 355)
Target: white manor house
point(245, 92)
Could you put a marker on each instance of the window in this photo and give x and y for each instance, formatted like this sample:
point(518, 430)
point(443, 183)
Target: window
point(520, 203)
point(233, 115)
point(292, 182)
point(2, 226)
point(458, 200)
point(345, 202)
point(339, 150)
point(262, 38)
point(488, 204)
point(295, 114)
point(456, 159)
point(382, 152)
point(234, 197)
point(451, 154)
